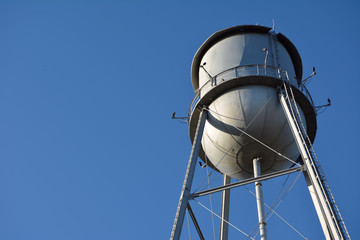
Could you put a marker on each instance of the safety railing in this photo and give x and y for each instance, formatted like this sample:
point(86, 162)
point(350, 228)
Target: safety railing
point(243, 71)
point(307, 94)
point(236, 72)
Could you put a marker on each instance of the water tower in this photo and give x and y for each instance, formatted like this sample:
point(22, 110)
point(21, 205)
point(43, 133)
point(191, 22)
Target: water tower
point(252, 119)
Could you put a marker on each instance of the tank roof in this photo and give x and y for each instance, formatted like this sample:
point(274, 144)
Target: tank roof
point(222, 34)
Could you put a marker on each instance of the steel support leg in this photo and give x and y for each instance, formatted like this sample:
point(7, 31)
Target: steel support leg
point(260, 200)
point(185, 192)
point(225, 204)
point(323, 208)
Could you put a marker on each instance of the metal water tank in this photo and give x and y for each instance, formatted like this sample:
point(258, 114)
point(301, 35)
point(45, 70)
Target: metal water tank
point(236, 74)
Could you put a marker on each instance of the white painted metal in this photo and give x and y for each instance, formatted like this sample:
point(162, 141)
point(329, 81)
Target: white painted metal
point(256, 110)
point(185, 193)
point(225, 206)
point(322, 205)
point(239, 81)
point(317, 205)
point(245, 49)
point(260, 200)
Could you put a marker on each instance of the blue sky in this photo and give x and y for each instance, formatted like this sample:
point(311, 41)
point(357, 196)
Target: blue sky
point(87, 89)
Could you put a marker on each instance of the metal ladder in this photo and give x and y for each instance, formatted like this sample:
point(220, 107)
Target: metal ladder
point(339, 230)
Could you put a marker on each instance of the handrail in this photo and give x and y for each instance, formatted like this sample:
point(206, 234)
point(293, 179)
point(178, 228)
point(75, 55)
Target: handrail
point(234, 72)
point(242, 71)
point(193, 103)
point(307, 94)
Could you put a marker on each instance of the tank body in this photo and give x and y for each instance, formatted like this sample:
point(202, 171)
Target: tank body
point(237, 73)
point(245, 54)
point(256, 111)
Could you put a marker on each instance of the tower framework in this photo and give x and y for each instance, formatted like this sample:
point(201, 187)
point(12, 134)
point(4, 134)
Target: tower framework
point(237, 71)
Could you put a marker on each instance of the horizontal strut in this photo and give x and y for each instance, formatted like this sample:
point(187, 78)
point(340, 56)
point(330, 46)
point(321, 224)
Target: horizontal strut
point(247, 181)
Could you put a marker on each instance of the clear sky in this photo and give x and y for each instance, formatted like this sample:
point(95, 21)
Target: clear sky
point(87, 89)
